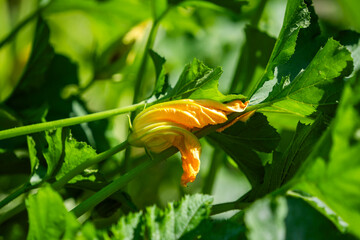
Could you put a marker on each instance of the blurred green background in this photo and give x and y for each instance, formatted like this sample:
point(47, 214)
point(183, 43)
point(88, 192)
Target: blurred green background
point(94, 52)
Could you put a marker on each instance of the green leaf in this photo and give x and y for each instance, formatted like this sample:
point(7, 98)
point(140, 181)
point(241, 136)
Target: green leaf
point(265, 219)
point(284, 166)
point(197, 81)
point(297, 17)
point(175, 221)
point(316, 85)
point(38, 172)
point(332, 170)
point(304, 222)
point(242, 140)
point(297, 79)
point(351, 40)
point(178, 218)
point(75, 153)
point(48, 217)
point(45, 152)
point(320, 206)
point(52, 149)
point(304, 140)
point(128, 227)
point(162, 81)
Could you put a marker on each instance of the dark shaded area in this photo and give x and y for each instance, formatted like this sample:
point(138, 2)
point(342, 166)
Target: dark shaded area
point(304, 222)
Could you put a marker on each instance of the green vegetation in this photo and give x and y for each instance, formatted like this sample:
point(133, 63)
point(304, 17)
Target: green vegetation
point(74, 74)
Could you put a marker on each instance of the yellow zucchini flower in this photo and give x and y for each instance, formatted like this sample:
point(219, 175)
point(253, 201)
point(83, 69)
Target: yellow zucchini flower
point(171, 124)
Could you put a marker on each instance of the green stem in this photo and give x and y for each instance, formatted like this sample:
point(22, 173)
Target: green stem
point(142, 68)
point(14, 195)
point(23, 23)
point(80, 168)
point(38, 127)
point(224, 207)
point(140, 75)
point(120, 183)
point(61, 182)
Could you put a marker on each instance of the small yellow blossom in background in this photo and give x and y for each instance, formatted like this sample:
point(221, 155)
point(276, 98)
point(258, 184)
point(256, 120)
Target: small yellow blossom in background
point(171, 124)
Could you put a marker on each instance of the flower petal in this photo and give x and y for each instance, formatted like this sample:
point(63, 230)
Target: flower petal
point(170, 124)
point(190, 149)
point(189, 113)
point(161, 136)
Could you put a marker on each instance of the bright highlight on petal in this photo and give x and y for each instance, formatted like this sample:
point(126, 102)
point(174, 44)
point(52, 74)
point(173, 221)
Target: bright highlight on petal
point(171, 124)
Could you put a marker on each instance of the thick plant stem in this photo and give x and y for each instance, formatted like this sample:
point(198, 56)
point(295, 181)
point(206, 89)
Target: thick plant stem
point(120, 183)
point(38, 127)
point(224, 207)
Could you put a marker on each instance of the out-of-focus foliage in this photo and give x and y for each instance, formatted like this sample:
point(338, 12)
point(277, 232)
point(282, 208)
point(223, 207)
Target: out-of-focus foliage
point(291, 170)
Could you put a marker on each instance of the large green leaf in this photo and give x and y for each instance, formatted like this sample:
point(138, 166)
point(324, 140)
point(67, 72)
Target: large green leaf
point(315, 85)
point(297, 17)
point(175, 221)
point(301, 75)
point(242, 140)
point(333, 169)
point(322, 208)
point(304, 222)
point(285, 165)
point(304, 140)
point(178, 218)
point(48, 217)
